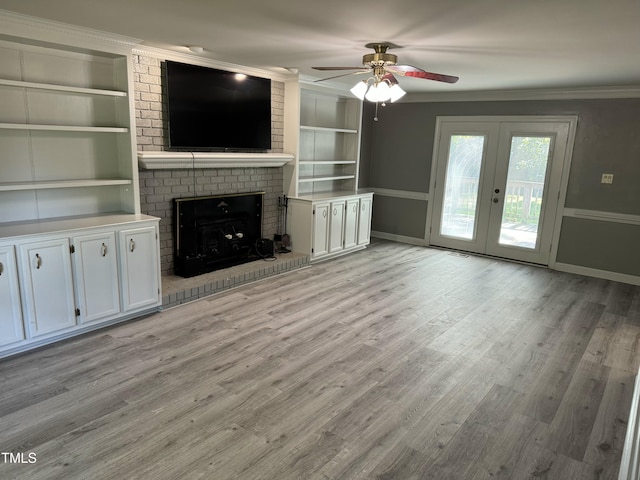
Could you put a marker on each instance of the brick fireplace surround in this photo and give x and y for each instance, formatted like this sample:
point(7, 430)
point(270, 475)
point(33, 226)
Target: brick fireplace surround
point(159, 187)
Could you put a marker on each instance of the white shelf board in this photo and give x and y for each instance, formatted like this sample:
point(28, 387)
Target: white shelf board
point(62, 88)
point(51, 225)
point(327, 162)
point(180, 160)
point(336, 194)
point(44, 185)
point(327, 129)
point(325, 179)
point(62, 128)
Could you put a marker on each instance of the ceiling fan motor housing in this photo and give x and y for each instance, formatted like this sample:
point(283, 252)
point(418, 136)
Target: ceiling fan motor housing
point(380, 59)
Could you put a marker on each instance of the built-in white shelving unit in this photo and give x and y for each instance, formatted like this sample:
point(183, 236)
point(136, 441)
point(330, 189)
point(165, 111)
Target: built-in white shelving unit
point(75, 252)
point(66, 140)
point(326, 214)
point(328, 141)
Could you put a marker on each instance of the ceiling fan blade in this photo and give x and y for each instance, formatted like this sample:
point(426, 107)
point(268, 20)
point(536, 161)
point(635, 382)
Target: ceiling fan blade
point(340, 68)
point(343, 75)
point(390, 78)
point(410, 71)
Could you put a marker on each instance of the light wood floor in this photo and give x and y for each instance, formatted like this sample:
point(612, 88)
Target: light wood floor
point(397, 362)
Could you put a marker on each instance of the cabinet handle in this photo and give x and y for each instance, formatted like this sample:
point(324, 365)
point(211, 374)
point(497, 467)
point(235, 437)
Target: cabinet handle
point(363, 207)
point(355, 209)
point(132, 245)
point(324, 214)
point(1, 268)
point(335, 212)
point(38, 261)
point(104, 250)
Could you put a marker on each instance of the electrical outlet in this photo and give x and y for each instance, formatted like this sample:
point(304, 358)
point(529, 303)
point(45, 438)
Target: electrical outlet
point(607, 178)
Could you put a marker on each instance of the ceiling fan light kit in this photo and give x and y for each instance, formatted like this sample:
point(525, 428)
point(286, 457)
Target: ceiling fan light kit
point(382, 86)
point(378, 91)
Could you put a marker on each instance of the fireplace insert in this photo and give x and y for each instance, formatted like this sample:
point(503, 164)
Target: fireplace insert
point(216, 231)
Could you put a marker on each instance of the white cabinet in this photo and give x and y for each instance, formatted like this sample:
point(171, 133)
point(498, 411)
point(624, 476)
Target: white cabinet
point(351, 222)
point(47, 286)
point(364, 220)
point(96, 275)
point(324, 228)
point(323, 178)
point(320, 242)
point(75, 275)
point(139, 264)
point(336, 232)
point(11, 328)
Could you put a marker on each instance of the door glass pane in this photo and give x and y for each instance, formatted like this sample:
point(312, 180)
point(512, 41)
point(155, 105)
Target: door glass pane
point(459, 209)
point(523, 195)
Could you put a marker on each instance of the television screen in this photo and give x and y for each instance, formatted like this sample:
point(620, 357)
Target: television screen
point(217, 110)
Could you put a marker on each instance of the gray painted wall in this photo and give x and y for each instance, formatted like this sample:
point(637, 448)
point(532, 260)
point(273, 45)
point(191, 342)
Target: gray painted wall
point(397, 151)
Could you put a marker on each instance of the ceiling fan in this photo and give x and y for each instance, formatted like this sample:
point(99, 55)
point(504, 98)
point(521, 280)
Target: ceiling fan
point(382, 85)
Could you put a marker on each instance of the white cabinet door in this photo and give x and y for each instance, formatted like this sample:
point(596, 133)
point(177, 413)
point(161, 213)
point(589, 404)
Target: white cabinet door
point(139, 268)
point(47, 285)
point(336, 242)
point(96, 274)
point(364, 221)
point(320, 245)
point(11, 328)
point(351, 223)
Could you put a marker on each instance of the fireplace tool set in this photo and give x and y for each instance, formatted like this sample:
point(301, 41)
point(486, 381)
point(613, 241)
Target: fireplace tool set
point(285, 239)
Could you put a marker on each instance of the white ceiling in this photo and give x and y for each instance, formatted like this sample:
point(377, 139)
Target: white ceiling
point(489, 44)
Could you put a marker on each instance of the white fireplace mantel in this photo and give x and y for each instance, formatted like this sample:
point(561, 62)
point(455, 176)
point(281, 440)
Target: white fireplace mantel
point(178, 160)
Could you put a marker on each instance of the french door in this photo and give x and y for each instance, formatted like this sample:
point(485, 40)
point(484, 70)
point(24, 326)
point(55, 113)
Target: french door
point(496, 186)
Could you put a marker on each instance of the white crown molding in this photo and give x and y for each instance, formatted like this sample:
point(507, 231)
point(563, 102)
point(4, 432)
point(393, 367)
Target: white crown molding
point(530, 94)
point(48, 31)
point(188, 57)
point(189, 160)
point(315, 83)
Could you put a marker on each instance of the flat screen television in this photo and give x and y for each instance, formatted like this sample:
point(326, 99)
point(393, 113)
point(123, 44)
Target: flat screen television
point(217, 110)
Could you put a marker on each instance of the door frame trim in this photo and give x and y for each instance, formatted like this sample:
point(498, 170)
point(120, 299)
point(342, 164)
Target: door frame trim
point(571, 120)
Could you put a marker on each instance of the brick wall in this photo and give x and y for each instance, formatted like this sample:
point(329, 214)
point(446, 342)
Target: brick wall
point(159, 187)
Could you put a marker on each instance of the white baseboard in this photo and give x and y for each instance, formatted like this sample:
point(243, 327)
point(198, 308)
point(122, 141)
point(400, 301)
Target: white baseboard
point(630, 462)
point(400, 238)
point(594, 272)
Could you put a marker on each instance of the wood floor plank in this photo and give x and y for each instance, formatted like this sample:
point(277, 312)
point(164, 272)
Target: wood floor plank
point(607, 436)
point(573, 423)
point(396, 362)
point(479, 431)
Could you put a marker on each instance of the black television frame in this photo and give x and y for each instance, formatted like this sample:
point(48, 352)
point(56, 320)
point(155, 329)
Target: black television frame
point(217, 110)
